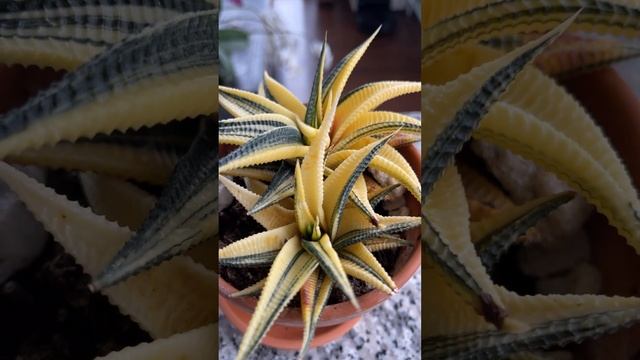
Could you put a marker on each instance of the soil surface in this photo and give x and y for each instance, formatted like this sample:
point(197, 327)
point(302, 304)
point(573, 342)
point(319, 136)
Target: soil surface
point(236, 225)
point(47, 311)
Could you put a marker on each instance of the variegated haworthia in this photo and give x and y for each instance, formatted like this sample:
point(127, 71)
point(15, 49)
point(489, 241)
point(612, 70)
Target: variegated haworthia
point(319, 216)
point(130, 64)
point(479, 81)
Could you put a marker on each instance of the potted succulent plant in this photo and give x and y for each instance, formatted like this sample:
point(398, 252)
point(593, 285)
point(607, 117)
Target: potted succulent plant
point(479, 81)
point(305, 174)
point(124, 70)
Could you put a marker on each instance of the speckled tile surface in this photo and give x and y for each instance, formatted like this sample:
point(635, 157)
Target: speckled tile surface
point(391, 331)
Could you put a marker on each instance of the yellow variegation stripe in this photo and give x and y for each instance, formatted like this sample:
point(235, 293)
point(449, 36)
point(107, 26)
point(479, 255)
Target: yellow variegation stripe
point(254, 289)
point(343, 179)
point(256, 246)
point(360, 252)
point(262, 105)
point(349, 117)
point(304, 219)
point(273, 217)
point(289, 271)
point(388, 166)
point(117, 200)
point(186, 288)
point(375, 123)
point(313, 165)
point(128, 162)
point(359, 272)
point(513, 17)
point(275, 153)
point(385, 243)
point(329, 260)
point(316, 297)
point(337, 79)
point(524, 134)
point(284, 97)
point(447, 213)
point(154, 104)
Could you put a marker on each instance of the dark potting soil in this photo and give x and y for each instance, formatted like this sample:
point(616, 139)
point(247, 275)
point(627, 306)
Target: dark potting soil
point(47, 311)
point(236, 225)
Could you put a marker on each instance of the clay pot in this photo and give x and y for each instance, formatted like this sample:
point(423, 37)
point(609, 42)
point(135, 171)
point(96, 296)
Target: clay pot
point(336, 319)
point(616, 108)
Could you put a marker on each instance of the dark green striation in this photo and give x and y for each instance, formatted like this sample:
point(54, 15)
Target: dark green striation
point(187, 42)
point(449, 262)
point(458, 131)
point(495, 344)
point(262, 259)
point(478, 23)
point(185, 214)
point(279, 136)
point(248, 129)
point(495, 244)
point(336, 217)
point(282, 182)
point(356, 236)
point(50, 16)
point(375, 200)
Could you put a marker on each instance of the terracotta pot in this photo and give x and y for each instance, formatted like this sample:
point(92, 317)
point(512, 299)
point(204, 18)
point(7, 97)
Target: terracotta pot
point(616, 108)
point(336, 319)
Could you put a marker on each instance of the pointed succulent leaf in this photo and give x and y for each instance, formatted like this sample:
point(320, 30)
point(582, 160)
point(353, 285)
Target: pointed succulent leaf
point(117, 200)
point(483, 22)
point(350, 112)
point(313, 115)
point(243, 103)
point(313, 297)
point(185, 215)
point(153, 166)
point(313, 165)
point(281, 186)
point(389, 161)
point(120, 84)
point(377, 123)
point(251, 290)
point(257, 249)
point(361, 256)
point(567, 319)
point(386, 242)
point(284, 97)
point(577, 56)
point(386, 225)
point(448, 244)
point(339, 75)
point(289, 271)
point(450, 127)
point(278, 144)
point(304, 219)
point(339, 184)
point(494, 235)
point(376, 197)
point(253, 125)
point(263, 172)
point(564, 113)
point(360, 273)
point(329, 260)
point(270, 218)
point(523, 134)
point(185, 287)
point(359, 198)
point(66, 35)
